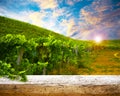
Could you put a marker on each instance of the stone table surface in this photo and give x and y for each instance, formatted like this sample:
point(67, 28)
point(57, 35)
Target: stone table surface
point(67, 80)
point(62, 85)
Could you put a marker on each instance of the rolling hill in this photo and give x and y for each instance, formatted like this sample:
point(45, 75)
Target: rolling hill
point(11, 26)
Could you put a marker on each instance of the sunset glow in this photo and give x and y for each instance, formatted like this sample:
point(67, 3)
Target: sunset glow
point(98, 39)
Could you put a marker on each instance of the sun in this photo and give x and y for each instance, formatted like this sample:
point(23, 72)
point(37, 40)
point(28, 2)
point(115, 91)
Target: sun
point(98, 39)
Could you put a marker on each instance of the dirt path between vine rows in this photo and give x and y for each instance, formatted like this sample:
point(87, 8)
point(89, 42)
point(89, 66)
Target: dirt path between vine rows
point(106, 63)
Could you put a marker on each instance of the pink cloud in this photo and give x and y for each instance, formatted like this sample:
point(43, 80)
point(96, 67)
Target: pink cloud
point(94, 19)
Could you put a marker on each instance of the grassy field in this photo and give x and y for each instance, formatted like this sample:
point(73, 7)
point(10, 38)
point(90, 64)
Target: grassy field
point(105, 59)
point(11, 26)
point(104, 63)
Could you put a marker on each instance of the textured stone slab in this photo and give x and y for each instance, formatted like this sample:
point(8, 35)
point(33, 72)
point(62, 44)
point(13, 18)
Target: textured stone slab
point(67, 80)
point(74, 85)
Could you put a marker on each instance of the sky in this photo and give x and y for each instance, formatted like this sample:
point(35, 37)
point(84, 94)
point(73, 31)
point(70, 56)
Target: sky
point(79, 19)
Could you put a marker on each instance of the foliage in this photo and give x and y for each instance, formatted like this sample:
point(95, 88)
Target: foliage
point(41, 55)
point(6, 70)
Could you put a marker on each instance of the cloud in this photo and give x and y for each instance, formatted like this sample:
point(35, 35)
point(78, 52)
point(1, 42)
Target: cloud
point(37, 18)
point(59, 12)
point(89, 17)
point(72, 2)
point(50, 20)
point(46, 4)
point(70, 26)
point(42, 19)
point(98, 18)
point(101, 5)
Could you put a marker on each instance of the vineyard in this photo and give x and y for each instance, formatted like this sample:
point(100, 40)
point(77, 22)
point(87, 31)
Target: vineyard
point(26, 49)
